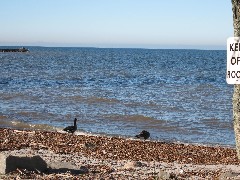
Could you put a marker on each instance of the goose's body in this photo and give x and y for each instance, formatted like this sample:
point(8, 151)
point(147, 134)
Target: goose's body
point(71, 129)
point(144, 134)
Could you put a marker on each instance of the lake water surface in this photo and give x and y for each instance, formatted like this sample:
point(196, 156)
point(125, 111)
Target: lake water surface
point(177, 95)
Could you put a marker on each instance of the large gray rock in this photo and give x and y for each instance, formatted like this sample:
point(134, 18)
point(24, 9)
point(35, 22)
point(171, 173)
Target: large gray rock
point(10, 163)
point(63, 167)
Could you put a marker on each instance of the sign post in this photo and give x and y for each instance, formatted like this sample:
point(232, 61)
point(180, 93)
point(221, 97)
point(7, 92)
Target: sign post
point(233, 60)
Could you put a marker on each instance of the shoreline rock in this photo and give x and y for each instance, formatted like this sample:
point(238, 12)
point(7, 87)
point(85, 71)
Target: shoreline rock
point(11, 163)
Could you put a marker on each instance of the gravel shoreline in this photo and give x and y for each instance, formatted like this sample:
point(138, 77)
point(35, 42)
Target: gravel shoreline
point(118, 158)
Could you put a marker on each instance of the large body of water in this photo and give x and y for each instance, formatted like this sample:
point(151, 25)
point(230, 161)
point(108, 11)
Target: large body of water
point(177, 95)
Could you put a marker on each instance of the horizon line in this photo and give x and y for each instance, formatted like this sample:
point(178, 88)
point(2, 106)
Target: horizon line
point(99, 47)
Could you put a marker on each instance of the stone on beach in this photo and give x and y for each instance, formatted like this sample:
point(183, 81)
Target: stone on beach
point(229, 175)
point(132, 164)
point(63, 167)
point(164, 175)
point(11, 163)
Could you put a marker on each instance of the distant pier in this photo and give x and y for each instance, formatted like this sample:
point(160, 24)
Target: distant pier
point(15, 50)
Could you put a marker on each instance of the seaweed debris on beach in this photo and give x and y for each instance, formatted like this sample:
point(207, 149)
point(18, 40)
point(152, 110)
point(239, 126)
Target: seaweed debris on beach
point(111, 154)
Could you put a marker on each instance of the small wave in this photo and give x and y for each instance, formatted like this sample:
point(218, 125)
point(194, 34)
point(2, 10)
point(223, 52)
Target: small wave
point(3, 117)
point(76, 98)
point(27, 114)
point(140, 118)
point(217, 123)
point(5, 80)
point(93, 99)
point(40, 127)
point(134, 119)
point(102, 100)
point(19, 96)
point(23, 126)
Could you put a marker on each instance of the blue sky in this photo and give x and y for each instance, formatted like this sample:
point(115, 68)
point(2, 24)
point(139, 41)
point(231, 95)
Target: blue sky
point(204, 24)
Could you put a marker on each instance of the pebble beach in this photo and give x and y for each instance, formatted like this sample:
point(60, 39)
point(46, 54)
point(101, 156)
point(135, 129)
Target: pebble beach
point(106, 157)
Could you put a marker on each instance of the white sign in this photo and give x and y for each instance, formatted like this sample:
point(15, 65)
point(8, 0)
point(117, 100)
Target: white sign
point(233, 60)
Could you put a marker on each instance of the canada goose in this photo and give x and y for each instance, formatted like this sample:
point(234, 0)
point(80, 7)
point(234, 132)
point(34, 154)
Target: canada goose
point(144, 134)
point(71, 129)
